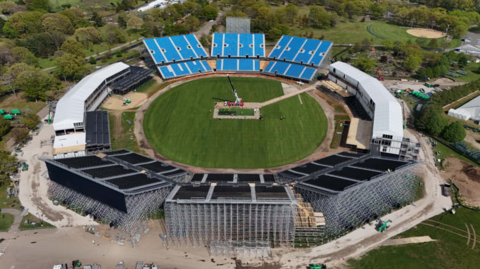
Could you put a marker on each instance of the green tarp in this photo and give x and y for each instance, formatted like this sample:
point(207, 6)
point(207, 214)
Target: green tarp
point(15, 111)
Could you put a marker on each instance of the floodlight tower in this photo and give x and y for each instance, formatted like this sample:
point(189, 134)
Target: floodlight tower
point(238, 100)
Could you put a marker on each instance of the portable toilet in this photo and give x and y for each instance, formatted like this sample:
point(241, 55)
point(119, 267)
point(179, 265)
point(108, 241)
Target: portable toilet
point(2, 111)
point(8, 117)
point(15, 112)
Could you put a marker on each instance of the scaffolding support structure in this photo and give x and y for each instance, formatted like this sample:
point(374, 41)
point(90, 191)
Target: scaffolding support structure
point(140, 207)
point(232, 226)
point(362, 203)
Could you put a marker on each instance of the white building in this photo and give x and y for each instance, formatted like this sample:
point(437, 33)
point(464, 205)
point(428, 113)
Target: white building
point(86, 95)
point(469, 111)
point(380, 105)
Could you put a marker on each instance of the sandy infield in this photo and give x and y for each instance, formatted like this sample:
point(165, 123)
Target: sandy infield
point(427, 33)
point(116, 102)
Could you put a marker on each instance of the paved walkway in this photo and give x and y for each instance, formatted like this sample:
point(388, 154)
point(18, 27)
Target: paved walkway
point(16, 213)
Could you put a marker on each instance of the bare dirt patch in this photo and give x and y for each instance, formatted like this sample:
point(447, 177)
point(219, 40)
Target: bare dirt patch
point(427, 33)
point(116, 102)
point(472, 138)
point(467, 178)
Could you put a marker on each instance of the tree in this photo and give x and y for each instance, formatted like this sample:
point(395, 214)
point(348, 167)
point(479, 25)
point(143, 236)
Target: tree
point(433, 43)
point(192, 23)
point(31, 120)
point(20, 134)
point(68, 65)
point(204, 41)
point(118, 54)
point(58, 23)
point(9, 31)
point(13, 72)
point(35, 84)
point(92, 60)
point(4, 127)
point(412, 63)
point(436, 124)
point(23, 55)
point(180, 29)
point(134, 23)
point(8, 165)
point(73, 47)
point(388, 44)
point(40, 5)
point(274, 33)
point(209, 12)
point(365, 64)
point(366, 44)
point(455, 132)
point(88, 34)
point(462, 60)
point(291, 12)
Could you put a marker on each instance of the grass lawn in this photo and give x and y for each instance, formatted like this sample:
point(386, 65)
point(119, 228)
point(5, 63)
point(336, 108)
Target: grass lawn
point(180, 125)
point(472, 73)
point(353, 32)
point(446, 152)
point(6, 220)
point(10, 101)
point(449, 251)
point(46, 63)
point(122, 136)
point(7, 203)
point(236, 111)
point(31, 218)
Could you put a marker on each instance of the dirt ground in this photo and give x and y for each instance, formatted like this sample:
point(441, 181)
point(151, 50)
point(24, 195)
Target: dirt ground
point(424, 32)
point(467, 179)
point(116, 102)
point(472, 138)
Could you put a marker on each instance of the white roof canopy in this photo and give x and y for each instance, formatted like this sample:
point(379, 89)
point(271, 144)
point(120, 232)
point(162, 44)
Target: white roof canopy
point(71, 108)
point(388, 117)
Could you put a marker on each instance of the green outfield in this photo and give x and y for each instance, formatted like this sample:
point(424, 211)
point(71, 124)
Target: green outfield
point(179, 124)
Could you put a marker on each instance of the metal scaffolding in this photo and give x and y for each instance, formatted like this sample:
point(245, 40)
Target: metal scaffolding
point(362, 203)
point(231, 225)
point(140, 207)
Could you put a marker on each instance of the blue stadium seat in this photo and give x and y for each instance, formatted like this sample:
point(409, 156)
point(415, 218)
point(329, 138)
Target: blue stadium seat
point(179, 48)
point(279, 67)
point(257, 65)
point(225, 45)
point(317, 58)
point(230, 64)
point(308, 73)
point(245, 65)
point(206, 66)
point(231, 40)
point(294, 70)
point(300, 50)
point(183, 47)
point(307, 51)
point(246, 42)
point(217, 45)
point(282, 43)
point(259, 45)
point(197, 47)
point(195, 66)
point(154, 50)
point(269, 66)
point(167, 71)
point(291, 50)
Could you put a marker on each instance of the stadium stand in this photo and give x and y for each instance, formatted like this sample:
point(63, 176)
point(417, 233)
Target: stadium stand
point(137, 77)
point(290, 70)
point(300, 50)
point(248, 65)
point(238, 45)
point(172, 49)
point(183, 69)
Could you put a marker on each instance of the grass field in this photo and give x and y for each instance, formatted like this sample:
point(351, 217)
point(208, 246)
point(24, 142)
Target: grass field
point(446, 152)
point(353, 32)
point(6, 221)
point(449, 251)
point(7, 203)
point(31, 218)
point(180, 125)
point(122, 139)
point(338, 137)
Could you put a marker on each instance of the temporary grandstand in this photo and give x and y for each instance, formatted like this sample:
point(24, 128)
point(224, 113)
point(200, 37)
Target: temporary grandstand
point(98, 131)
point(231, 45)
point(469, 111)
point(177, 56)
point(120, 188)
point(238, 65)
point(236, 214)
point(133, 80)
point(372, 98)
point(352, 189)
point(231, 218)
point(298, 57)
point(87, 95)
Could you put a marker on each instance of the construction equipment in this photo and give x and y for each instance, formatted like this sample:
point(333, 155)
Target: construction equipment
point(76, 263)
point(382, 226)
point(238, 100)
point(317, 266)
point(128, 101)
point(25, 167)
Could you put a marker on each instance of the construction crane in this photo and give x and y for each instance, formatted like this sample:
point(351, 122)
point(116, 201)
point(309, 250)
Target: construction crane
point(238, 100)
point(382, 226)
